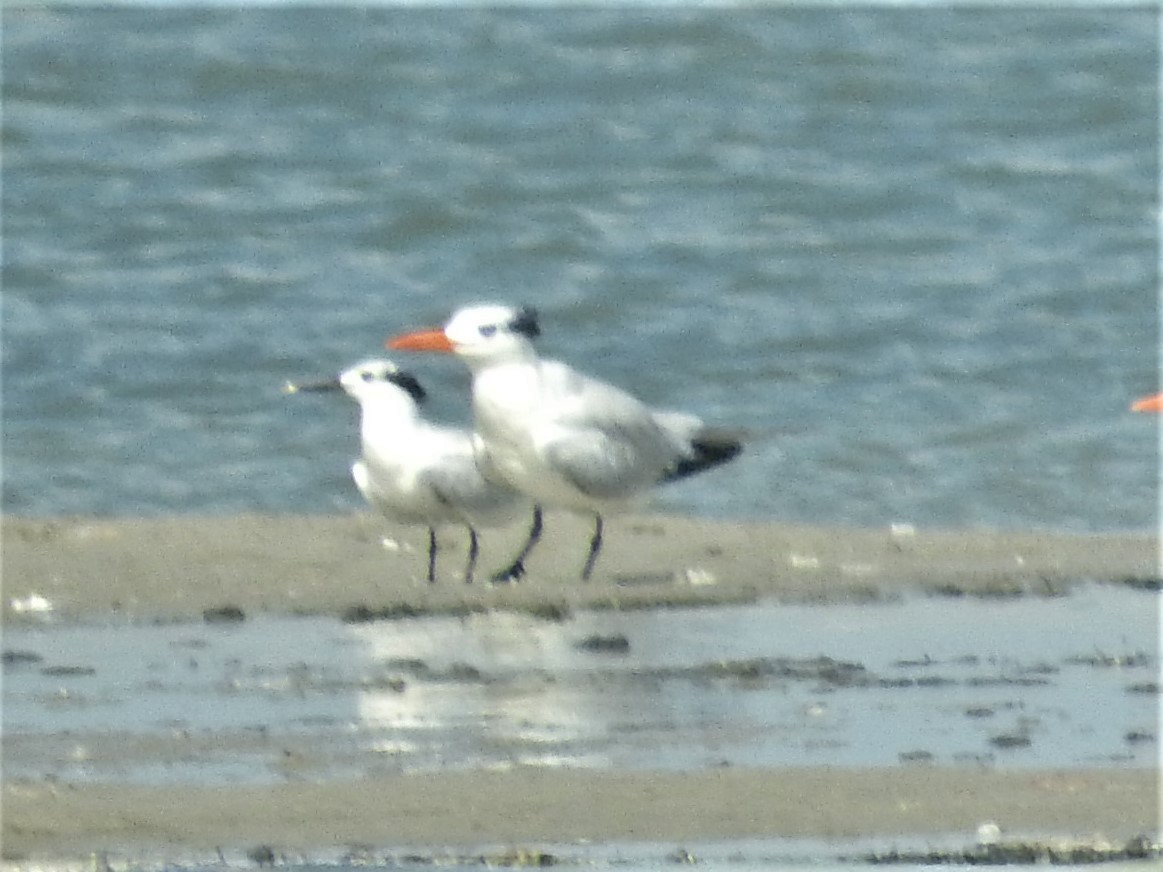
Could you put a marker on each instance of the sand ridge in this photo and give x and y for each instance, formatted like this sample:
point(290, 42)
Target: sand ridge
point(180, 567)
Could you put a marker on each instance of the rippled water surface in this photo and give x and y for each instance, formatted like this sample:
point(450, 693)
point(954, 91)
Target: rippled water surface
point(911, 251)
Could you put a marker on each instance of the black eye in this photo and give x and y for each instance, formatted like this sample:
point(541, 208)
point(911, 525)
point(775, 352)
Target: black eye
point(488, 330)
point(367, 376)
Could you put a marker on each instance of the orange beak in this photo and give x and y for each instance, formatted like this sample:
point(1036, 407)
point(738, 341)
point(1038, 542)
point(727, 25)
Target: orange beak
point(432, 339)
point(1149, 404)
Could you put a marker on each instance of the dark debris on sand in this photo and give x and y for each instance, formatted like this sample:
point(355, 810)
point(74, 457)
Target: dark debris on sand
point(1072, 853)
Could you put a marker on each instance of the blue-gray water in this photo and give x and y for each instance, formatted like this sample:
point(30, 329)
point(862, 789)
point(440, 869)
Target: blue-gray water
point(912, 682)
point(912, 251)
point(909, 682)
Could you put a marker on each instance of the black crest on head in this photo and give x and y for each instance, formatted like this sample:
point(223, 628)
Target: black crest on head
point(525, 322)
point(408, 382)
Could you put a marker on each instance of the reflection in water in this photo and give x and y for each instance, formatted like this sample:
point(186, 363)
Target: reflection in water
point(942, 680)
point(496, 683)
point(1070, 681)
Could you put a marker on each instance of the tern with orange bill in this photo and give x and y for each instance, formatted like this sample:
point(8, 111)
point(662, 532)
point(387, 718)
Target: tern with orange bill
point(1148, 404)
point(562, 438)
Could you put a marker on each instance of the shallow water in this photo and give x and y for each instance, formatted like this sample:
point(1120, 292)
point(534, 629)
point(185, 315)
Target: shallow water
point(1053, 683)
point(912, 251)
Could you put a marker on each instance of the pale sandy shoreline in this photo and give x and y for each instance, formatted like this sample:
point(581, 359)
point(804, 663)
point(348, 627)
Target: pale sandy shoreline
point(175, 569)
point(179, 567)
point(529, 807)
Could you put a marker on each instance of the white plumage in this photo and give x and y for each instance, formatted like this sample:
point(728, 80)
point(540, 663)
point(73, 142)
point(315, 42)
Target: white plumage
point(413, 471)
point(558, 436)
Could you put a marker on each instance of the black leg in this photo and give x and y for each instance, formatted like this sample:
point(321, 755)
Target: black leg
point(431, 555)
point(517, 568)
point(473, 550)
point(595, 547)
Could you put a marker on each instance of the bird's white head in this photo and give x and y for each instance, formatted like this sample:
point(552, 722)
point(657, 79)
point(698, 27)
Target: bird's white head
point(367, 380)
point(484, 333)
point(372, 377)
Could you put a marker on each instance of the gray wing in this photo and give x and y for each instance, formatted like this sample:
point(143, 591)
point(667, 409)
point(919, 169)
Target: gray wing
point(458, 484)
point(603, 440)
point(608, 462)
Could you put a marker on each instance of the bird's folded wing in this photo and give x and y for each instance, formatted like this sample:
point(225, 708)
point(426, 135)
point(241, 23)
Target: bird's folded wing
point(459, 485)
point(603, 463)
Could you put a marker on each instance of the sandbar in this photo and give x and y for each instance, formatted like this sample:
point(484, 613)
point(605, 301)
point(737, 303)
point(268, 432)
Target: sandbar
point(359, 568)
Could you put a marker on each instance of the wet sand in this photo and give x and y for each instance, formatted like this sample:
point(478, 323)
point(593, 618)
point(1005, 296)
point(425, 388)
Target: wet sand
point(179, 569)
point(538, 806)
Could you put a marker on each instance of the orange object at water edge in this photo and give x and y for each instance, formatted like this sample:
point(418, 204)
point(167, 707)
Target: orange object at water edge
point(1148, 404)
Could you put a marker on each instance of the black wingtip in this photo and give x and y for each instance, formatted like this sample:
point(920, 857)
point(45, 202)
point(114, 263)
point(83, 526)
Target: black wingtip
point(706, 452)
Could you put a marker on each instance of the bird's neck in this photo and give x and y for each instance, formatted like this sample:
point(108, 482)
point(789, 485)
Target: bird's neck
point(516, 355)
point(386, 417)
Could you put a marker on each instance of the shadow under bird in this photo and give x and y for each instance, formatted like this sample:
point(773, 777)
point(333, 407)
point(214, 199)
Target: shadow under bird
point(558, 436)
point(411, 470)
